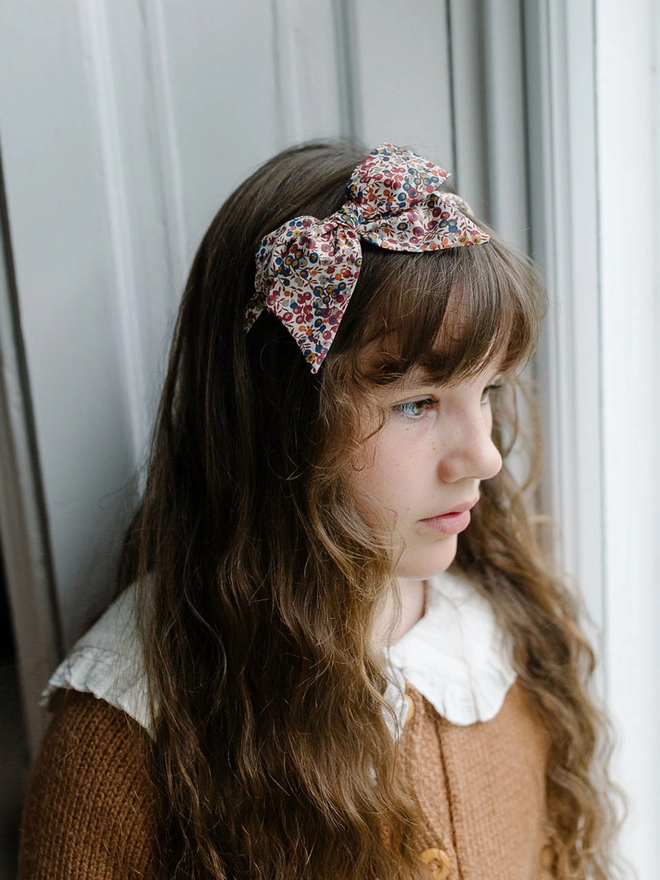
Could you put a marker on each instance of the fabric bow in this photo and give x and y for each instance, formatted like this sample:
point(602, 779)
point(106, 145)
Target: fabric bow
point(307, 268)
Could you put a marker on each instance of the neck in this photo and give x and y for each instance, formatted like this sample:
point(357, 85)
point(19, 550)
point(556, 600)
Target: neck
point(401, 612)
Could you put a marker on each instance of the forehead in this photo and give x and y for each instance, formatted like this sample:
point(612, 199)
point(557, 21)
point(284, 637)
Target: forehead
point(418, 377)
point(446, 313)
point(453, 355)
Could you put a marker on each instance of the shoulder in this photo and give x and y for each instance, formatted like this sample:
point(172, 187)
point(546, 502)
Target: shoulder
point(88, 812)
point(107, 661)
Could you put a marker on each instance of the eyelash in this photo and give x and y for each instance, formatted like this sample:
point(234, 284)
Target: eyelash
point(401, 408)
point(426, 403)
point(488, 390)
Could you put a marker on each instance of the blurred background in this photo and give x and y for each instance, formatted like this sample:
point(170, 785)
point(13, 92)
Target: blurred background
point(125, 124)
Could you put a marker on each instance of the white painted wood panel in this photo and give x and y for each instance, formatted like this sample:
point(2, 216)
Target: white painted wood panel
point(26, 561)
point(563, 183)
point(310, 82)
point(506, 123)
point(593, 121)
point(468, 77)
point(65, 273)
point(627, 54)
point(402, 75)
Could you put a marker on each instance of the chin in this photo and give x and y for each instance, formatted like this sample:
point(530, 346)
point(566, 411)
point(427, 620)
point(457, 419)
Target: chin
point(423, 563)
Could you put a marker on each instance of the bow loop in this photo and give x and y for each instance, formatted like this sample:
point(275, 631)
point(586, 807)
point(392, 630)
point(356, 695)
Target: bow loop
point(391, 180)
point(307, 269)
point(306, 272)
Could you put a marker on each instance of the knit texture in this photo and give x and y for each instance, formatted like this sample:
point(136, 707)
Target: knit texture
point(481, 790)
point(89, 804)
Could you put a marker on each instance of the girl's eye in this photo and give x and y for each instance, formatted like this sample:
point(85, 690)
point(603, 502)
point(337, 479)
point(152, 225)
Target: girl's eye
point(413, 409)
point(488, 391)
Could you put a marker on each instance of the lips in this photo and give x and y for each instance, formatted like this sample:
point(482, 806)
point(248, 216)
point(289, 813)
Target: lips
point(452, 522)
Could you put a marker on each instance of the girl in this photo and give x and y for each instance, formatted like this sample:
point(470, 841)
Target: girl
point(295, 686)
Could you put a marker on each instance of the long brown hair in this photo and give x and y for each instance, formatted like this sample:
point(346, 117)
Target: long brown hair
point(260, 580)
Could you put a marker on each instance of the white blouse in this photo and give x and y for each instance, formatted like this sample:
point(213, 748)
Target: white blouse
point(456, 656)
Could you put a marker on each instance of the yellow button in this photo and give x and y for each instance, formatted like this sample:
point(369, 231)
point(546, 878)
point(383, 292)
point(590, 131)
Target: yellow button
point(438, 861)
point(411, 708)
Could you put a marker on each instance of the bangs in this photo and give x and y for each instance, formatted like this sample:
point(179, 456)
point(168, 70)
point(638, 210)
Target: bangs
point(448, 312)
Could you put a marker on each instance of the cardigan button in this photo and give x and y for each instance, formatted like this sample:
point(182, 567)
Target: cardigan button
point(438, 862)
point(410, 708)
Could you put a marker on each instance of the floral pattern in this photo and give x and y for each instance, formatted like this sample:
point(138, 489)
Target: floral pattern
point(307, 269)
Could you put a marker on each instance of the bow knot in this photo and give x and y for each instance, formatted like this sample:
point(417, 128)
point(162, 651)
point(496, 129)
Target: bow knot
point(307, 269)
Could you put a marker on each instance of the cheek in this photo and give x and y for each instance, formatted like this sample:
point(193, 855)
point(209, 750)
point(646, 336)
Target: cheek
point(382, 484)
point(368, 479)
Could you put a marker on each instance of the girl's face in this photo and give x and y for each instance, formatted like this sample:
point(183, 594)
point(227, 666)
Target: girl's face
point(420, 472)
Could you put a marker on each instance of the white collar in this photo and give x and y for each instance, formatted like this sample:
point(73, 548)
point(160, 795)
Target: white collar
point(107, 662)
point(456, 656)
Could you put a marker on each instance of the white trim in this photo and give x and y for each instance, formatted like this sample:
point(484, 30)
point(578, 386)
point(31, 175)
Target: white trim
point(628, 115)
point(468, 79)
point(309, 57)
point(164, 144)
point(505, 113)
point(402, 75)
point(561, 119)
point(594, 150)
point(93, 16)
point(289, 117)
point(349, 94)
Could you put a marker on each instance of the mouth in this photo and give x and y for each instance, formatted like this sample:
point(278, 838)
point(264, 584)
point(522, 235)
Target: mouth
point(453, 521)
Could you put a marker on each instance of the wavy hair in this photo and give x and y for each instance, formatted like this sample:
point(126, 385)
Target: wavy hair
point(260, 580)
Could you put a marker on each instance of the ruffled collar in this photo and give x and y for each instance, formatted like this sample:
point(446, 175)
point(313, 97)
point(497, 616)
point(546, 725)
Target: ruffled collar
point(107, 662)
point(456, 656)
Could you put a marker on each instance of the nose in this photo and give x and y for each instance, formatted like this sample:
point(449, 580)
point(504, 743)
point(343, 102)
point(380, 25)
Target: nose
point(467, 448)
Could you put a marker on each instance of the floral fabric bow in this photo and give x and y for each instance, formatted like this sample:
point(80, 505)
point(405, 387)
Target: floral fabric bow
point(307, 268)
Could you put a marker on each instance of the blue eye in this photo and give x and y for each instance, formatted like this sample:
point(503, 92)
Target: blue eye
point(488, 391)
point(414, 409)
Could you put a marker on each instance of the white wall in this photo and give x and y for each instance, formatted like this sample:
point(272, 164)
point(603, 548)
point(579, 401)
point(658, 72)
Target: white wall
point(594, 120)
point(628, 111)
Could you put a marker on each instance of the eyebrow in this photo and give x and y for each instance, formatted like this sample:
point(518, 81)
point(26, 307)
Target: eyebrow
point(420, 375)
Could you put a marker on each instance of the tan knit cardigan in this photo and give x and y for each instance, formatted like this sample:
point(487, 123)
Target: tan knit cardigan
point(481, 789)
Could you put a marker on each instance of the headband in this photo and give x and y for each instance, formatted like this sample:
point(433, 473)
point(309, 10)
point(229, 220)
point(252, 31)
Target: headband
point(307, 268)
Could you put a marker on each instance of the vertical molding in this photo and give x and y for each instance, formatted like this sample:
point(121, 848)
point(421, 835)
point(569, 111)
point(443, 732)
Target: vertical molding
point(562, 129)
point(451, 67)
point(628, 116)
point(506, 122)
point(23, 522)
point(593, 149)
point(468, 81)
point(104, 56)
point(286, 73)
point(313, 64)
point(489, 113)
point(93, 15)
point(406, 98)
point(164, 145)
point(156, 163)
point(350, 97)
point(656, 317)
